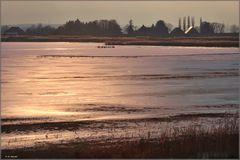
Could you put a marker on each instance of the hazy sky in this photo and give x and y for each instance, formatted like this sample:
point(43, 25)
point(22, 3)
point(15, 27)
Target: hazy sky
point(58, 12)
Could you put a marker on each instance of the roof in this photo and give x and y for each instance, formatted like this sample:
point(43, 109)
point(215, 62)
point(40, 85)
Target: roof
point(15, 30)
point(177, 32)
point(191, 31)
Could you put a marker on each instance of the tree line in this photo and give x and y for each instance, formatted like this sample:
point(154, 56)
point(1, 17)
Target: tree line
point(112, 28)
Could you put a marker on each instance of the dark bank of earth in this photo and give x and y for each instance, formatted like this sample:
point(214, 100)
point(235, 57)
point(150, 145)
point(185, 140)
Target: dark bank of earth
point(210, 41)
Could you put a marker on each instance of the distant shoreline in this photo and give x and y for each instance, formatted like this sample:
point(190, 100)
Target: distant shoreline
point(211, 41)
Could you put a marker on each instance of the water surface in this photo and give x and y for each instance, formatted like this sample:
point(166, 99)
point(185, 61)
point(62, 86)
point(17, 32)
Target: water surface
point(74, 82)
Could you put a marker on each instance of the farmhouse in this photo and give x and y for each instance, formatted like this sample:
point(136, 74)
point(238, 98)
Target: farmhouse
point(177, 32)
point(14, 31)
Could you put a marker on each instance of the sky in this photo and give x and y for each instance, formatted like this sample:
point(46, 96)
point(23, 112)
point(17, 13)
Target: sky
point(141, 12)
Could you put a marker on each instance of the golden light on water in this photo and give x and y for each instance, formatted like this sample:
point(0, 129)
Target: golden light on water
point(46, 112)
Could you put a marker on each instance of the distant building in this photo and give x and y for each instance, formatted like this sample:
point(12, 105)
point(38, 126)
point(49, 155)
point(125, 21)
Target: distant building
point(191, 31)
point(159, 29)
point(14, 31)
point(144, 31)
point(177, 32)
point(188, 29)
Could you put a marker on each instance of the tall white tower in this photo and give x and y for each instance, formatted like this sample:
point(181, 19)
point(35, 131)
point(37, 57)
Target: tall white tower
point(179, 23)
point(184, 24)
point(188, 22)
point(193, 22)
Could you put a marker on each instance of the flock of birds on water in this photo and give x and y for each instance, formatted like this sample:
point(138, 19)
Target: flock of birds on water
point(106, 46)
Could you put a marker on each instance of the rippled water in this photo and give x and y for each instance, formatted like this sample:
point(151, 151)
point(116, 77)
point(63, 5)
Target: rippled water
point(71, 82)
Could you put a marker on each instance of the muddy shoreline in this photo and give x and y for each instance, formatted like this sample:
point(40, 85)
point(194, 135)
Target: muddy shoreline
point(190, 142)
point(74, 125)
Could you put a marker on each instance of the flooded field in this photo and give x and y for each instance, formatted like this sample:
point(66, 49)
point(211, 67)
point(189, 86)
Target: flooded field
point(60, 92)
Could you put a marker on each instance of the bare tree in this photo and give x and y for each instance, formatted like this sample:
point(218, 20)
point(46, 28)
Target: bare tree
point(130, 28)
point(218, 27)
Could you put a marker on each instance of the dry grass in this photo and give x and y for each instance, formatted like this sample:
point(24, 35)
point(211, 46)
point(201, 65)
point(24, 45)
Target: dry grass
point(217, 141)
